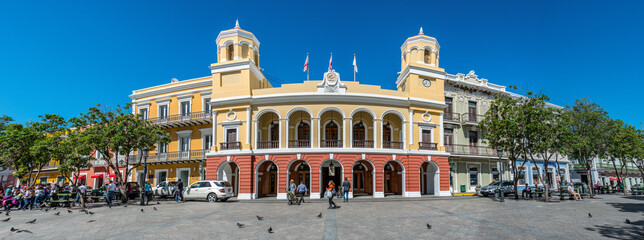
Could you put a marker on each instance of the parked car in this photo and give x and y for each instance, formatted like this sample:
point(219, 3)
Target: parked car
point(211, 190)
point(165, 188)
point(508, 187)
point(135, 190)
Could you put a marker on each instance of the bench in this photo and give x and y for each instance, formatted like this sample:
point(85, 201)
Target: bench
point(637, 191)
point(60, 202)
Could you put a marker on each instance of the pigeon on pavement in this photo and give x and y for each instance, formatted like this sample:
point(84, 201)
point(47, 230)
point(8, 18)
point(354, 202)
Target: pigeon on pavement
point(58, 213)
point(590, 215)
point(32, 221)
point(320, 215)
point(240, 225)
point(429, 226)
point(92, 213)
point(627, 221)
point(270, 230)
point(142, 210)
point(259, 217)
point(15, 230)
point(5, 220)
point(91, 221)
point(69, 211)
point(155, 208)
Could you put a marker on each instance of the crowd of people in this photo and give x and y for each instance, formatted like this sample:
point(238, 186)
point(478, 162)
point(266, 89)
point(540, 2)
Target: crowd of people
point(25, 197)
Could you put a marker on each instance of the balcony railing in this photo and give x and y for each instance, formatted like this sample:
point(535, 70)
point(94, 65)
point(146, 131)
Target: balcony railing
point(268, 144)
point(427, 146)
point(468, 118)
point(452, 117)
point(230, 145)
point(182, 120)
point(392, 145)
point(299, 143)
point(331, 143)
point(457, 149)
point(171, 156)
point(363, 143)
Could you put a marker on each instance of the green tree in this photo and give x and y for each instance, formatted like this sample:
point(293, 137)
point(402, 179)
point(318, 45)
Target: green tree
point(28, 148)
point(504, 127)
point(73, 154)
point(118, 131)
point(587, 130)
point(638, 152)
point(621, 144)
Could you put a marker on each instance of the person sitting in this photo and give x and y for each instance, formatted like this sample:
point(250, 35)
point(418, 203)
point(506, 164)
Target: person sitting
point(572, 191)
point(526, 193)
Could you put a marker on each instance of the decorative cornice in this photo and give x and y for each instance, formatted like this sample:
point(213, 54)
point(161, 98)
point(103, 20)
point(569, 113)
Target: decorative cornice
point(172, 88)
point(237, 32)
point(236, 65)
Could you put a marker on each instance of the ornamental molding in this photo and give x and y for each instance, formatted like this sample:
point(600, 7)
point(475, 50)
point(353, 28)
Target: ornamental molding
point(331, 83)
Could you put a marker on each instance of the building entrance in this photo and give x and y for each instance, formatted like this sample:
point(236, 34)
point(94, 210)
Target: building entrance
point(330, 170)
point(267, 180)
point(300, 172)
point(362, 178)
point(393, 178)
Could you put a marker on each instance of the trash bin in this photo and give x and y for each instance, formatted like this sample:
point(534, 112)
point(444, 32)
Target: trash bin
point(462, 188)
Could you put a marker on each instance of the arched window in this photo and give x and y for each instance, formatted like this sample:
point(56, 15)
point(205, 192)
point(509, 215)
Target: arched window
point(427, 52)
point(331, 131)
point(386, 132)
point(231, 52)
point(303, 131)
point(244, 50)
point(359, 131)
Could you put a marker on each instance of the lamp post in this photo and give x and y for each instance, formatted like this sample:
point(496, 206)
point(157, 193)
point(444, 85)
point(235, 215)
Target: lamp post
point(146, 150)
point(499, 151)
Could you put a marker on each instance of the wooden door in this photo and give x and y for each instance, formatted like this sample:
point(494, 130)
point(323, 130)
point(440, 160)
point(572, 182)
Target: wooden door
point(231, 135)
point(426, 136)
point(386, 133)
point(449, 140)
point(474, 139)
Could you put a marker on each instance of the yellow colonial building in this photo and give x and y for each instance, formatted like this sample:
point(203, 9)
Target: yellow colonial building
point(234, 125)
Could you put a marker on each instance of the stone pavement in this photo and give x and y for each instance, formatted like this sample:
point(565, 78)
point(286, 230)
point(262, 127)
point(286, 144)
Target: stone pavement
point(388, 218)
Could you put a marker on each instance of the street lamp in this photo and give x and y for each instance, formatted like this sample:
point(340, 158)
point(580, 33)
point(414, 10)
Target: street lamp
point(146, 150)
point(499, 151)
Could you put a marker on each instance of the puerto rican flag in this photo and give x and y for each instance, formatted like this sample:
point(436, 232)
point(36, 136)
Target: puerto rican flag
point(331, 62)
point(306, 63)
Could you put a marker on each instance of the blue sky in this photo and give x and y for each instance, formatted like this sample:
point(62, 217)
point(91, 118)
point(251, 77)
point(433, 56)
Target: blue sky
point(64, 57)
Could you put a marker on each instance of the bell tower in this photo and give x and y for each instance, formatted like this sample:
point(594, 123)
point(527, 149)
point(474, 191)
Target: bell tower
point(237, 70)
point(420, 76)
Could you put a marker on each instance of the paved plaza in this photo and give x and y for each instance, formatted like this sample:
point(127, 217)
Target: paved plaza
point(364, 218)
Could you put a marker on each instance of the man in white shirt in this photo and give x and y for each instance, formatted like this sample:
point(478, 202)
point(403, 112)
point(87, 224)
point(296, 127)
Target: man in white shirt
point(111, 188)
point(81, 192)
point(571, 190)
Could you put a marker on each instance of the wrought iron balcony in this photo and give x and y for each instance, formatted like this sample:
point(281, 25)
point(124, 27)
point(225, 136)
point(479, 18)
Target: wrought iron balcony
point(457, 149)
point(268, 144)
point(471, 119)
point(427, 146)
point(230, 145)
point(299, 143)
point(171, 156)
point(183, 120)
point(392, 145)
point(331, 143)
point(363, 143)
point(450, 117)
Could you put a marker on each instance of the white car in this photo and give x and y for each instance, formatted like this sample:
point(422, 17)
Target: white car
point(165, 188)
point(211, 190)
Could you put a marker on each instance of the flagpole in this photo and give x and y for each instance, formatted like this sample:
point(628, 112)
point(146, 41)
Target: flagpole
point(354, 67)
point(307, 67)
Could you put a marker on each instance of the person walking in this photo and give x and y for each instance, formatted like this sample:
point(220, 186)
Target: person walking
point(148, 192)
point(301, 190)
point(330, 192)
point(346, 186)
point(111, 189)
point(292, 187)
point(81, 192)
point(179, 191)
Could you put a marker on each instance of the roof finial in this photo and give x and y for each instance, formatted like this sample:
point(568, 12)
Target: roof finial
point(421, 31)
point(236, 23)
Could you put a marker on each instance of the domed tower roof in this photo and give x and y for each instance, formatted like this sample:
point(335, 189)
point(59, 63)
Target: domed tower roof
point(238, 33)
point(418, 40)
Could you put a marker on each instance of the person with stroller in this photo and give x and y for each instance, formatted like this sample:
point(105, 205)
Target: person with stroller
point(301, 190)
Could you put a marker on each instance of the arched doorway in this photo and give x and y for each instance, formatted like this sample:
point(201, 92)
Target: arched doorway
point(330, 169)
point(429, 178)
point(362, 178)
point(299, 171)
point(229, 171)
point(393, 178)
point(267, 179)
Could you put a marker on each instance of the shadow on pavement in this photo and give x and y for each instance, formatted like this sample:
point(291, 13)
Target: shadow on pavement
point(628, 207)
point(632, 231)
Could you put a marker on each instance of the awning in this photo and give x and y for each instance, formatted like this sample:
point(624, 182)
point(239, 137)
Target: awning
point(613, 179)
point(100, 175)
point(81, 177)
point(112, 175)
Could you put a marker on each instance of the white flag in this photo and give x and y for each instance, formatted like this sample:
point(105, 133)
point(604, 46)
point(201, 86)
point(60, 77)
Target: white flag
point(355, 66)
